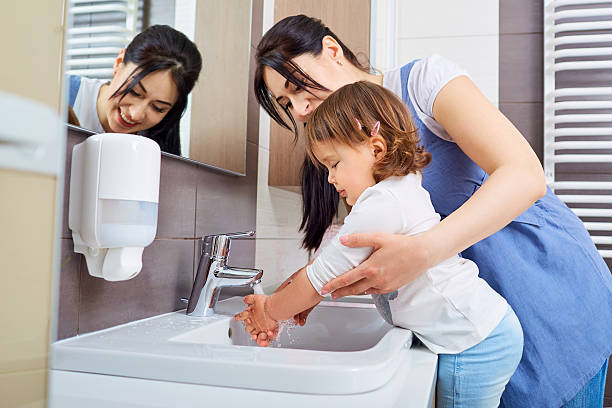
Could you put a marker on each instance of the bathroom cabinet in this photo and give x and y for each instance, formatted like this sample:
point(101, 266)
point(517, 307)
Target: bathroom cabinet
point(350, 21)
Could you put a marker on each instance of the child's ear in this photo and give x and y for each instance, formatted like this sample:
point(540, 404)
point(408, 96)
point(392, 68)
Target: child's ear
point(379, 147)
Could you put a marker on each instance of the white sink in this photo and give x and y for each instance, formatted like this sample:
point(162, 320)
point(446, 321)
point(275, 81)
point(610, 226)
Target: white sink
point(345, 349)
point(332, 326)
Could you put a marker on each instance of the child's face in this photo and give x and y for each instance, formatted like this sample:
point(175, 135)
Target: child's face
point(349, 167)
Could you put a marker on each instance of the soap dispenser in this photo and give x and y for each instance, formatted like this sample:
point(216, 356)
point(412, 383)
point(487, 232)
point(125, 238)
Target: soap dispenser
point(114, 196)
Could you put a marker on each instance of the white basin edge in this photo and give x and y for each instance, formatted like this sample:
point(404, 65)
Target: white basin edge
point(142, 350)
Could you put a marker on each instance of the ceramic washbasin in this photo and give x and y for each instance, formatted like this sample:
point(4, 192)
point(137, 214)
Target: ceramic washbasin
point(332, 326)
point(345, 349)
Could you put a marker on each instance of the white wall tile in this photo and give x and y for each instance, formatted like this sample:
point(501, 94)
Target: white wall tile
point(264, 129)
point(279, 211)
point(278, 258)
point(443, 18)
point(479, 56)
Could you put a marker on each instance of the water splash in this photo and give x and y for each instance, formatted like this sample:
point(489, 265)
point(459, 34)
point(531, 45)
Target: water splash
point(285, 329)
point(257, 289)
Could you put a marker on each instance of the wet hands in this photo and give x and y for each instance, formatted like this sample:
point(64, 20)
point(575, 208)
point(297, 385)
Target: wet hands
point(258, 323)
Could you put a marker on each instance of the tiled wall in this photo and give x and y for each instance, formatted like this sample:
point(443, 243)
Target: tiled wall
point(466, 33)
point(194, 201)
point(520, 67)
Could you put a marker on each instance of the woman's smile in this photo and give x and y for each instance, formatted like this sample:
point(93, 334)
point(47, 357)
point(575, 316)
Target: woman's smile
point(124, 121)
point(143, 106)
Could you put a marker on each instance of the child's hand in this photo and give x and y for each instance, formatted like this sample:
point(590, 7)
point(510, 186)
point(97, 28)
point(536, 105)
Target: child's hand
point(300, 318)
point(260, 319)
point(259, 331)
point(261, 338)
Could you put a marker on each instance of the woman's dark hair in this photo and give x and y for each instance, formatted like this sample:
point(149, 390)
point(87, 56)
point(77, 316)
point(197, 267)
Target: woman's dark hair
point(287, 39)
point(159, 48)
point(319, 204)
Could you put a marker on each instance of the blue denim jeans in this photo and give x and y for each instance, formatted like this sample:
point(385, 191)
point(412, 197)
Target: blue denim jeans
point(592, 394)
point(476, 377)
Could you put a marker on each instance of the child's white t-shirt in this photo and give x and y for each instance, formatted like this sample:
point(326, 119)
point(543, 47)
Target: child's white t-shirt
point(85, 104)
point(448, 307)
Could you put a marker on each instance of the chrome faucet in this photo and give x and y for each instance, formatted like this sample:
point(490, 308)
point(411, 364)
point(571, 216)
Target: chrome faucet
point(214, 274)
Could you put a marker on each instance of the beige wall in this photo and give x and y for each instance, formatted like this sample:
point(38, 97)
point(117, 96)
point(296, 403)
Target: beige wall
point(31, 37)
point(27, 220)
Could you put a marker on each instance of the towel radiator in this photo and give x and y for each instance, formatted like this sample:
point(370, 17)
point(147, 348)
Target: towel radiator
point(578, 111)
point(99, 29)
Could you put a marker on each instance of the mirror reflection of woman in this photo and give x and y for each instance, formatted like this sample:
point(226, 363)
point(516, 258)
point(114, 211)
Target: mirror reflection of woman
point(489, 185)
point(147, 95)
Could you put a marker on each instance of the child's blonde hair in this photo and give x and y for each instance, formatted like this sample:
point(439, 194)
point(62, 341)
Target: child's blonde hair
point(348, 115)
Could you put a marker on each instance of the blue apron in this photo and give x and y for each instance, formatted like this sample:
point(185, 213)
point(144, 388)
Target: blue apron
point(546, 266)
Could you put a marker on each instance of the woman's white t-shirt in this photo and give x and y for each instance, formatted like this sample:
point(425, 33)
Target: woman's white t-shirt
point(427, 77)
point(85, 104)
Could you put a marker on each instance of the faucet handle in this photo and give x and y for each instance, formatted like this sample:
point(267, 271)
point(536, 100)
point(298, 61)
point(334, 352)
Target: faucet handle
point(218, 245)
point(240, 234)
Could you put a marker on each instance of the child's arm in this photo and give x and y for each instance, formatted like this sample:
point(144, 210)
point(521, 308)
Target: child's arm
point(300, 295)
point(377, 211)
point(294, 298)
point(301, 317)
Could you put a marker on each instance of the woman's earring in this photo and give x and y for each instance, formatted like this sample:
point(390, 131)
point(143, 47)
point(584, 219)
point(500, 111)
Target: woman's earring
point(339, 62)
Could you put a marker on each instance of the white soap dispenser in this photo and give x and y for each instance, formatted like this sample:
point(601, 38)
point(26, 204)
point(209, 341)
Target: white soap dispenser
point(114, 196)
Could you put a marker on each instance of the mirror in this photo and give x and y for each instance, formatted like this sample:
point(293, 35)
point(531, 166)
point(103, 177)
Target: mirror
point(213, 129)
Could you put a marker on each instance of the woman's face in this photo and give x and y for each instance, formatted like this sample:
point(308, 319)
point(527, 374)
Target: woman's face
point(323, 69)
point(143, 107)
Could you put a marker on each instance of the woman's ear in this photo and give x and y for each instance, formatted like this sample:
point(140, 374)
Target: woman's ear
point(378, 146)
point(118, 61)
point(332, 49)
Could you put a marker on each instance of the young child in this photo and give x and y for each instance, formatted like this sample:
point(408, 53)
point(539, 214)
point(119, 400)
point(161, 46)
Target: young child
point(364, 136)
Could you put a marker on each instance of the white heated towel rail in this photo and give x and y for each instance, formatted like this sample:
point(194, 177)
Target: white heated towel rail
point(578, 120)
point(99, 30)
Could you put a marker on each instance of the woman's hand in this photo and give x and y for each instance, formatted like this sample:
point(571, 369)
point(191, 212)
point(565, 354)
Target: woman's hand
point(396, 260)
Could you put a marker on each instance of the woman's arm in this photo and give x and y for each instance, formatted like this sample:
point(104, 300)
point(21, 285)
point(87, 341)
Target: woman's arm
point(516, 180)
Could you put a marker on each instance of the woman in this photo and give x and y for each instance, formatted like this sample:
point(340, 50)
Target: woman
point(148, 92)
point(484, 179)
